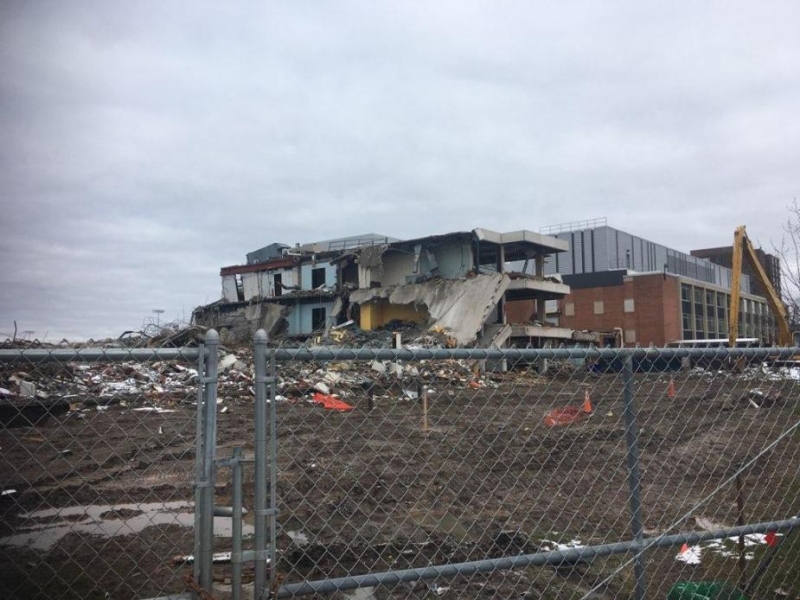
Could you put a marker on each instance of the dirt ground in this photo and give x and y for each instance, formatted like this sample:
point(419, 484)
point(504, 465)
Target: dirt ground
point(372, 490)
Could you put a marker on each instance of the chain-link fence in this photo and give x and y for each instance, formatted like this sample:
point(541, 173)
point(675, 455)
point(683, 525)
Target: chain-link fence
point(97, 464)
point(415, 472)
point(536, 474)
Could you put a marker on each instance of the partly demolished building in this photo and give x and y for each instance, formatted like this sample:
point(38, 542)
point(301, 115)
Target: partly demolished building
point(476, 287)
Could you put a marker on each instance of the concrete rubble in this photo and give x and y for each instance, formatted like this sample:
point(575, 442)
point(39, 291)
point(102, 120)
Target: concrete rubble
point(53, 390)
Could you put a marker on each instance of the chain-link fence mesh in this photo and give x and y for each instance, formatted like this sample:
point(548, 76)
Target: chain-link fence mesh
point(97, 451)
point(387, 465)
point(430, 471)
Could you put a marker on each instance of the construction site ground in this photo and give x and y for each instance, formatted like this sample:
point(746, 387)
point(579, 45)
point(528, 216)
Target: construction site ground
point(372, 490)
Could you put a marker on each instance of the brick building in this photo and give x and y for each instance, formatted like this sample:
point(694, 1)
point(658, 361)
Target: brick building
point(658, 308)
point(651, 294)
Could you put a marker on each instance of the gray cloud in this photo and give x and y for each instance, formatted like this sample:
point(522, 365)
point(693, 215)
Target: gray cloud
point(145, 144)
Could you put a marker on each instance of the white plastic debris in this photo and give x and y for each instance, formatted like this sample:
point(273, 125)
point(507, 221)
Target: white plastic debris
point(437, 589)
point(690, 556)
point(331, 378)
point(378, 367)
point(226, 362)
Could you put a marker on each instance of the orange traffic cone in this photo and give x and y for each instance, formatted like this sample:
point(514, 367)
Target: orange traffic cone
point(671, 388)
point(587, 403)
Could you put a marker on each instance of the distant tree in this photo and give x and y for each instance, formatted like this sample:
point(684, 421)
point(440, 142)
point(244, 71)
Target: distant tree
point(788, 251)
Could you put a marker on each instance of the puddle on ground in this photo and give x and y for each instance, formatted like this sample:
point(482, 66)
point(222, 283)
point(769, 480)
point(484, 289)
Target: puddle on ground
point(44, 528)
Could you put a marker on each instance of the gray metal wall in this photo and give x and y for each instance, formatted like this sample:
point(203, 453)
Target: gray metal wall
point(605, 249)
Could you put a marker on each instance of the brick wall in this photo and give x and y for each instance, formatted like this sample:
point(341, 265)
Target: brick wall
point(656, 309)
point(520, 311)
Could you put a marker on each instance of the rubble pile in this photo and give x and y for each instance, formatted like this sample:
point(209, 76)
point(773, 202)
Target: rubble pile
point(415, 335)
point(82, 385)
point(159, 384)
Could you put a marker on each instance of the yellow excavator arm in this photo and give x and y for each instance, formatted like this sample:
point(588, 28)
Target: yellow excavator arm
point(743, 249)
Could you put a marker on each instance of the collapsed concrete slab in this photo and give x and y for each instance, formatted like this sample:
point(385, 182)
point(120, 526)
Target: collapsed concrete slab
point(238, 321)
point(459, 306)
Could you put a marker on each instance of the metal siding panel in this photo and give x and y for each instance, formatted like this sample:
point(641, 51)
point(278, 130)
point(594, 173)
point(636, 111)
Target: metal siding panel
point(601, 249)
point(661, 257)
point(625, 251)
point(577, 253)
point(550, 266)
point(613, 249)
point(588, 246)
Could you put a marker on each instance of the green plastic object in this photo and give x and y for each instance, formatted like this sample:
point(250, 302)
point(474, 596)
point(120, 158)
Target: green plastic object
point(704, 590)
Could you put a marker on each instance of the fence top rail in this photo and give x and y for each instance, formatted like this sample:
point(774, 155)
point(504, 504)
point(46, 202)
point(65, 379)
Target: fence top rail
point(323, 354)
point(553, 557)
point(104, 355)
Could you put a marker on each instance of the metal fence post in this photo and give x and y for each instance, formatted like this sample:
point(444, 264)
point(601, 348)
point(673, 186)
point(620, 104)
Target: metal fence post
point(273, 472)
point(198, 460)
point(634, 477)
point(236, 528)
point(260, 508)
point(210, 443)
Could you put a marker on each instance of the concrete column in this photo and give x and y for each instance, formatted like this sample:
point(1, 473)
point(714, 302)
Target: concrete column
point(539, 260)
point(541, 310)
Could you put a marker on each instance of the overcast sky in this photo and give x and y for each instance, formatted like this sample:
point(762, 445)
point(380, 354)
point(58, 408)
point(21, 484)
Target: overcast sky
point(146, 144)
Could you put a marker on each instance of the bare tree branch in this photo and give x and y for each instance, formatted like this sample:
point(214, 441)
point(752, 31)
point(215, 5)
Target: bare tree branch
point(788, 251)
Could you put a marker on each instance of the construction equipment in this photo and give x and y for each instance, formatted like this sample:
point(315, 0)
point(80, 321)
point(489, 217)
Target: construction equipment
point(743, 248)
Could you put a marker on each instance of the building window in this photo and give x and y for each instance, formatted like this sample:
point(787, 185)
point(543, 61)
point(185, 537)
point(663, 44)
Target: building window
point(277, 281)
point(317, 278)
point(699, 314)
point(628, 305)
point(598, 307)
point(630, 336)
point(569, 309)
point(317, 318)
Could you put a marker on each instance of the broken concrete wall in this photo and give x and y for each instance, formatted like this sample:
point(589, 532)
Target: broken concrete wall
point(306, 278)
point(396, 267)
point(251, 284)
point(370, 265)
point(459, 306)
point(453, 262)
point(301, 317)
point(229, 291)
point(261, 284)
point(400, 267)
point(239, 322)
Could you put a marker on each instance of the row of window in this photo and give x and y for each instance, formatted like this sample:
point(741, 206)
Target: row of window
point(704, 315)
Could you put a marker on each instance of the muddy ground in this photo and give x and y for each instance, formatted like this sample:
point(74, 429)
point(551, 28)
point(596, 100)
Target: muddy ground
point(372, 490)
